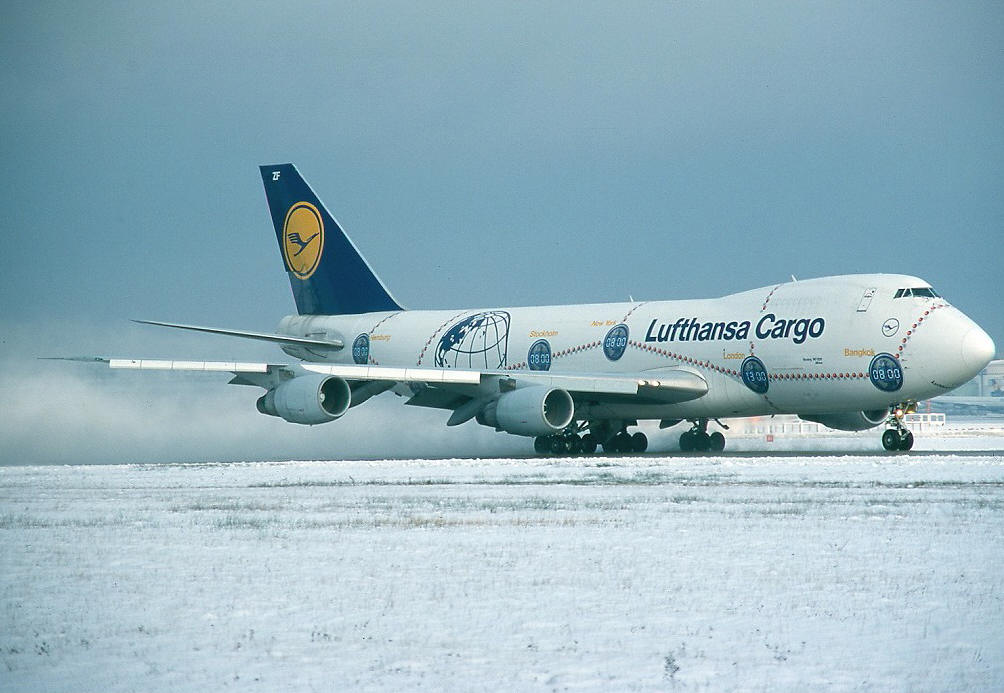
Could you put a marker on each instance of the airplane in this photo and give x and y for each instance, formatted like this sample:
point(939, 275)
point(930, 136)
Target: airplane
point(850, 352)
point(972, 406)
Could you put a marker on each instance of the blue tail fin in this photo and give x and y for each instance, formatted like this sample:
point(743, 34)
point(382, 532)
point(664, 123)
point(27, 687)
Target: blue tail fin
point(327, 273)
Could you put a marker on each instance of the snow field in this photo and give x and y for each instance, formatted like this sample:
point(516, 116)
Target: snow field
point(647, 574)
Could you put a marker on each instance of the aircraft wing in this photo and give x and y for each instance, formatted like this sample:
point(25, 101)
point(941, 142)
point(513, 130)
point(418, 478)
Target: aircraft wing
point(448, 388)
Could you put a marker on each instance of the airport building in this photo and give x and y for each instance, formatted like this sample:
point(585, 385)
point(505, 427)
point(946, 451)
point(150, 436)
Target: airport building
point(989, 383)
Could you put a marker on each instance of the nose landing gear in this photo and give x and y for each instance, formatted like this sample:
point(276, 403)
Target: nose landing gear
point(898, 438)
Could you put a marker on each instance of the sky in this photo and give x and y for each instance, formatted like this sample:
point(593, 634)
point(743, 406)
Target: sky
point(484, 154)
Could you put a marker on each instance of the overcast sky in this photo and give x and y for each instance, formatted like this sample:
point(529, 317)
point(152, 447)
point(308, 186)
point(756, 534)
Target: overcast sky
point(490, 154)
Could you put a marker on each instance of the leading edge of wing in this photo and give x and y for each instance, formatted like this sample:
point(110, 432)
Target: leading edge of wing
point(330, 344)
point(235, 367)
point(665, 385)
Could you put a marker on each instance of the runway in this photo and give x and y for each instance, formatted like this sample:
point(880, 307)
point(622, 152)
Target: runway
point(737, 572)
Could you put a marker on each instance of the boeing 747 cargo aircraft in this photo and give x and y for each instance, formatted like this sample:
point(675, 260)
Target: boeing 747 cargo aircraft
point(850, 352)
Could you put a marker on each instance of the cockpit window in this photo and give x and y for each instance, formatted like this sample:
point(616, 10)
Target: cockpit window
point(922, 292)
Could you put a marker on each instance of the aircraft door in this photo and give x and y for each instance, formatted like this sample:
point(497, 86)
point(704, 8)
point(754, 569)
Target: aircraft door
point(866, 300)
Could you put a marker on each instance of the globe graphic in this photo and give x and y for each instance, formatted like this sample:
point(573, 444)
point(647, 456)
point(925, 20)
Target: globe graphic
point(477, 342)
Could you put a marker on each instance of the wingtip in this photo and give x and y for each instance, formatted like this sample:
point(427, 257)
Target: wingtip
point(82, 359)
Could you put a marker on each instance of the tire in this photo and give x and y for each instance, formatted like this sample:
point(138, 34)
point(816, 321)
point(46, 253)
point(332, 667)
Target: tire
point(559, 446)
point(574, 444)
point(890, 440)
point(686, 441)
point(716, 442)
point(541, 445)
point(702, 442)
point(906, 442)
point(588, 444)
point(639, 442)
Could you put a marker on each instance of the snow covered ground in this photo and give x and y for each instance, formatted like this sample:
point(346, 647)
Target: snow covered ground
point(741, 573)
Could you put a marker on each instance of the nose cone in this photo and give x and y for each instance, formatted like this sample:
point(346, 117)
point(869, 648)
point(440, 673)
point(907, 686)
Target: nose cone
point(977, 350)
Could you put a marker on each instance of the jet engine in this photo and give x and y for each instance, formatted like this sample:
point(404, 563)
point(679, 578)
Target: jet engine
point(530, 411)
point(307, 399)
point(850, 420)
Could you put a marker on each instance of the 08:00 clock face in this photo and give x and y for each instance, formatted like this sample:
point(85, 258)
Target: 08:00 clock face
point(615, 343)
point(886, 373)
point(539, 356)
point(361, 349)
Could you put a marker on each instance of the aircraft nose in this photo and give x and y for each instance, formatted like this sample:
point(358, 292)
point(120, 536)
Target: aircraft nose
point(977, 349)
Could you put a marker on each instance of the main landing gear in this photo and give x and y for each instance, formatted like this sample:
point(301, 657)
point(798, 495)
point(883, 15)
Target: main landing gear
point(697, 439)
point(571, 442)
point(627, 442)
point(898, 438)
point(567, 442)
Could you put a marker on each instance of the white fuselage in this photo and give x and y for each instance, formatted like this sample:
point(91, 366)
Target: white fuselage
point(816, 339)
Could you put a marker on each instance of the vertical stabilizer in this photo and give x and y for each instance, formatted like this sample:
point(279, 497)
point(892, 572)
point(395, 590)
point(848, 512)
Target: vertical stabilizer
point(326, 271)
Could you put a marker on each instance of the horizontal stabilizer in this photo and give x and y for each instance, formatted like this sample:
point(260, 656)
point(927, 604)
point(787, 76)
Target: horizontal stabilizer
point(329, 344)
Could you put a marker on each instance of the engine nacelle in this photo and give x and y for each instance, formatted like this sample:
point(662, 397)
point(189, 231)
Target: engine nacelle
point(530, 411)
point(308, 399)
point(850, 420)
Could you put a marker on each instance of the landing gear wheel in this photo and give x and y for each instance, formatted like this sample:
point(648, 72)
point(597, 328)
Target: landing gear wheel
point(588, 444)
point(898, 437)
point(620, 443)
point(559, 446)
point(541, 445)
point(639, 442)
point(698, 440)
point(574, 444)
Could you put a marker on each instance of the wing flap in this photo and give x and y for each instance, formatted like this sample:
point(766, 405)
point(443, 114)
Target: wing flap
point(164, 365)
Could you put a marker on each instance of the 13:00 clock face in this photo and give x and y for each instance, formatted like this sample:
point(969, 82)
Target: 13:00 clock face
point(754, 375)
